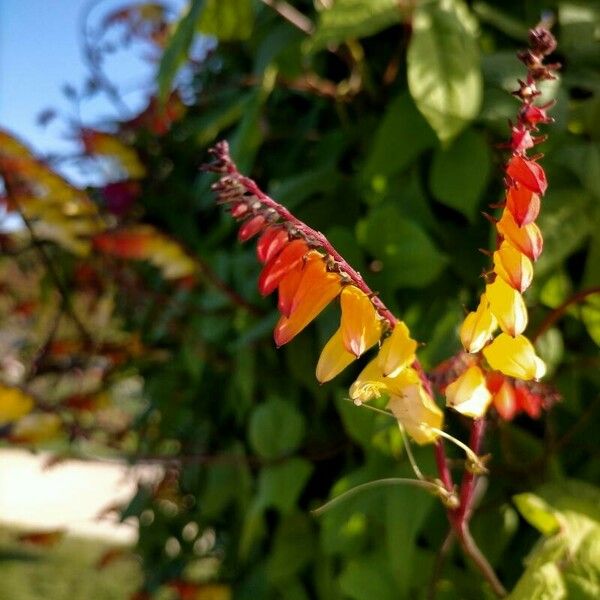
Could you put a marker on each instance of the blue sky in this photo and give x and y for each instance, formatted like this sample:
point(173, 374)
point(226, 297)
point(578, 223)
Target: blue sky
point(40, 53)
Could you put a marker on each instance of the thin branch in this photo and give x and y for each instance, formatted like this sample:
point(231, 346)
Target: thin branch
point(56, 279)
point(559, 311)
point(291, 15)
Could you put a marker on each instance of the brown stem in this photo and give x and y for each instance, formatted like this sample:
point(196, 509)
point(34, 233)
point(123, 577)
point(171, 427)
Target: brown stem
point(559, 311)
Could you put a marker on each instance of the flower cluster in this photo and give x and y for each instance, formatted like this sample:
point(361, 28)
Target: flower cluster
point(510, 355)
point(308, 274)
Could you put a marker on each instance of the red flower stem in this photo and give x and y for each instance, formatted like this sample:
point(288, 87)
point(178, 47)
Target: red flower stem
point(467, 486)
point(442, 465)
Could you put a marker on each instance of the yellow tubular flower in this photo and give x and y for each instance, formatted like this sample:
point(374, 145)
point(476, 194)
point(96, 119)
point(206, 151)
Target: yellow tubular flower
point(469, 394)
point(513, 266)
point(397, 351)
point(515, 357)
point(417, 412)
point(372, 384)
point(478, 327)
point(361, 327)
point(334, 358)
point(507, 306)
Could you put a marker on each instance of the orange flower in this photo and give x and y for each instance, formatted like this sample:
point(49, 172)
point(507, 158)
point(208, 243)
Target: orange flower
point(317, 288)
point(361, 327)
point(513, 266)
point(528, 239)
point(478, 327)
point(288, 287)
point(468, 394)
point(507, 306)
point(334, 358)
point(397, 351)
point(515, 357)
point(274, 271)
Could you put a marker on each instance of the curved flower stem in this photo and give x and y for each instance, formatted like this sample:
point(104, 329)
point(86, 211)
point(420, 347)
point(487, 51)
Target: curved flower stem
point(426, 485)
point(406, 442)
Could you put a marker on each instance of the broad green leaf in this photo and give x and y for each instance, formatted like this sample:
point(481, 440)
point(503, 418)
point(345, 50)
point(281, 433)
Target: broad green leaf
point(565, 224)
point(409, 257)
point(292, 548)
point(349, 19)
point(177, 48)
point(590, 314)
point(227, 19)
point(501, 21)
point(276, 429)
point(551, 349)
point(367, 578)
point(444, 72)
point(537, 513)
point(584, 160)
point(402, 135)
point(460, 172)
point(543, 583)
point(280, 485)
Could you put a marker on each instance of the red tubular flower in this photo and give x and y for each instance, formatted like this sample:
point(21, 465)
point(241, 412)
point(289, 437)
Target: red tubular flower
point(251, 227)
point(528, 402)
point(528, 173)
point(523, 204)
point(271, 242)
point(503, 395)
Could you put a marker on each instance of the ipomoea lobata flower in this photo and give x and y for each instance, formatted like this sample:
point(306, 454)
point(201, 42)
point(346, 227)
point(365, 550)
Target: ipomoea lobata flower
point(468, 394)
point(515, 357)
point(317, 288)
point(478, 327)
point(360, 324)
point(397, 351)
point(513, 266)
point(334, 358)
point(507, 306)
point(410, 403)
point(528, 238)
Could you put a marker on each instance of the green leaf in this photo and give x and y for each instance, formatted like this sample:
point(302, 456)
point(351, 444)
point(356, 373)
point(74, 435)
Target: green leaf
point(227, 20)
point(350, 19)
point(459, 174)
point(177, 48)
point(590, 314)
point(584, 160)
point(402, 135)
point(276, 429)
point(367, 579)
point(279, 486)
point(293, 547)
point(537, 513)
point(565, 224)
point(409, 257)
point(444, 72)
point(551, 348)
point(543, 583)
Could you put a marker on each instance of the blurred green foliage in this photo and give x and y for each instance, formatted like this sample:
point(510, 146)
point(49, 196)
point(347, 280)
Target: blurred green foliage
point(379, 127)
